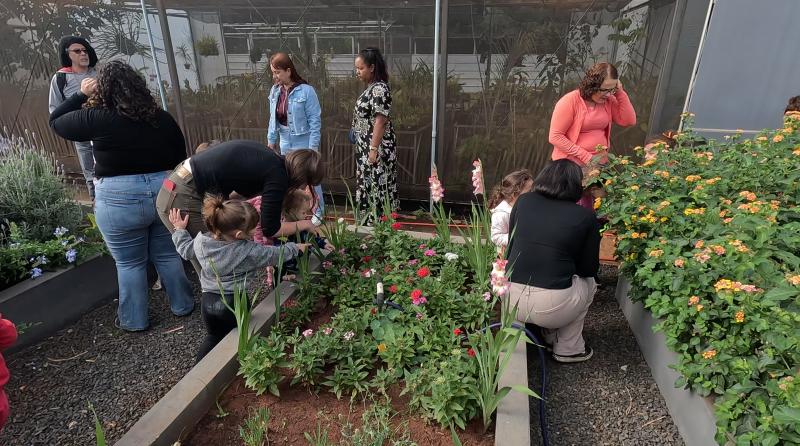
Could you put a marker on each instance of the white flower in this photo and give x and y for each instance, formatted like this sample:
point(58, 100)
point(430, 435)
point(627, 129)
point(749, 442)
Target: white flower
point(340, 220)
point(308, 333)
point(451, 256)
point(348, 336)
point(364, 246)
point(60, 231)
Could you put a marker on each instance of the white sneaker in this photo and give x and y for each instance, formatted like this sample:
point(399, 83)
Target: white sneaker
point(157, 286)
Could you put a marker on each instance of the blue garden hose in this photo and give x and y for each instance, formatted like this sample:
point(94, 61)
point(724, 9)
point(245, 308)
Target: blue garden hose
point(380, 302)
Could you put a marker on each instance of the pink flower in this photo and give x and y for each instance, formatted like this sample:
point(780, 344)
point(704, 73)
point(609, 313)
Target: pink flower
point(413, 262)
point(477, 177)
point(343, 271)
point(327, 330)
point(437, 191)
point(487, 296)
point(423, 246)
point(420, 301)
point(430, 253)
point(308, 333)
point(423, 272)
point(327, 264)
point(420, 316)
point(750, 289)
point(499, 280)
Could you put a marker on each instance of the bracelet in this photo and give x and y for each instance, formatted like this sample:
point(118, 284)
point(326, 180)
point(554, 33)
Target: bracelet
point(373, 149)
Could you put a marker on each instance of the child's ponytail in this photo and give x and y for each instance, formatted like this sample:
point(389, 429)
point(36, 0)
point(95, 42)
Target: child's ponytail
point(226, 216)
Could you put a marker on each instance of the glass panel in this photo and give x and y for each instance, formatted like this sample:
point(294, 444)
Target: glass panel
point(30, 59)
point(500, 96)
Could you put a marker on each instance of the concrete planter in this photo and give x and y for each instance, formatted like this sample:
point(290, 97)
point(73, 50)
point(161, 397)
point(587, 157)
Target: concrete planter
point(57, 299)
point(692, 413)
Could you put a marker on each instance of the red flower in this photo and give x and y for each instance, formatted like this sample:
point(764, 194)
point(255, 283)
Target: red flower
point(393, 289)
point(384, 218)
point(416, 294)
point(395, 215)
point(423, 272)
point(457, 331)
point(471, 353)
point(373, 311)
point(367, 259)
point(396, 226)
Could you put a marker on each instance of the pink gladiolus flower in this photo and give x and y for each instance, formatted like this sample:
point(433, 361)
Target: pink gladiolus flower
point(477, 177)
point(437, 191)
point(498, 277)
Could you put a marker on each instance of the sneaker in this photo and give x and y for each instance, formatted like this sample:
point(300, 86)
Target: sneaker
point(578, 357)
point(157, 286)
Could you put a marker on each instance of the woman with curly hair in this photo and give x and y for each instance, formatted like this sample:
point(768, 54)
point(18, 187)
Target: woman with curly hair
point(135, 144)
point(581, 124)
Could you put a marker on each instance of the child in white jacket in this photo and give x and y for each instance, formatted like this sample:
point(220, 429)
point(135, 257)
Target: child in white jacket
point(502, 201)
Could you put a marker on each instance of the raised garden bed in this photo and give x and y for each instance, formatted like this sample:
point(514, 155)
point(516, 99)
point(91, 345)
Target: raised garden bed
point(57, 299)
point(202, 396)
point(692, 413)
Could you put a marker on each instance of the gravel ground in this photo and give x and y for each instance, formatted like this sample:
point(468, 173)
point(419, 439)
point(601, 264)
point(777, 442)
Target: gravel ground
point(610, 399)
point(122, 374)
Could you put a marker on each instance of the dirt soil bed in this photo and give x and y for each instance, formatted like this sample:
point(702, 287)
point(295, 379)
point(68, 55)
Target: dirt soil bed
point(299, 410)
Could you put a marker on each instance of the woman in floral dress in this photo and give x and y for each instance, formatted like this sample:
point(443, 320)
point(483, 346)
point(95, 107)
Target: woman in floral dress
point(375, 144)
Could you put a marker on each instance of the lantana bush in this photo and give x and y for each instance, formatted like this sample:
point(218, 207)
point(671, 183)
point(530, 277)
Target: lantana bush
point(709, 234)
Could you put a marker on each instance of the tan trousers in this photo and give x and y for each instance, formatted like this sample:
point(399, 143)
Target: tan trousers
point(559, 312)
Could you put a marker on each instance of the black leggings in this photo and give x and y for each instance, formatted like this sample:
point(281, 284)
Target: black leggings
point(218, 318)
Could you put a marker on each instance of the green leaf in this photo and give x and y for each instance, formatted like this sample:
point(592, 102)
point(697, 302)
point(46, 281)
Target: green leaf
point(454, 436)
point(525, 390)
point(787, 415)
point(778, 295)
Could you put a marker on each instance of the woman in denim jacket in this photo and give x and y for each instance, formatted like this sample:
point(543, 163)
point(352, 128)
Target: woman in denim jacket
point(294, 114)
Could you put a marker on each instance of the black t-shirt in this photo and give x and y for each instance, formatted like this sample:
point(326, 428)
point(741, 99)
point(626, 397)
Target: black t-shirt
point(250, 169)
point(552, 240)
point(121, 145)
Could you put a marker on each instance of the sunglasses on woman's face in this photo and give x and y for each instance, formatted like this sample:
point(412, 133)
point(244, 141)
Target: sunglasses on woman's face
point(608, 90)
point(79, 51)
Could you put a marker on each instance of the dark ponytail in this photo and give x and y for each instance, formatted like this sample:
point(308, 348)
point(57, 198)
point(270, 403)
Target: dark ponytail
point(372, 57)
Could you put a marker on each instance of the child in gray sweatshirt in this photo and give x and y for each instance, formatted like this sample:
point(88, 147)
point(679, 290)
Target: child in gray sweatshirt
point(227, 255)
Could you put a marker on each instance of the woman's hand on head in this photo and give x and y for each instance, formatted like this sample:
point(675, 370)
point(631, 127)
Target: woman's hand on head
point(88, 86)
point(176, 219)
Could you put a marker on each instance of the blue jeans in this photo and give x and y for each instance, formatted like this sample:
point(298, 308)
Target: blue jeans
point(126, 215)
point(86, 160)
point(289, 143)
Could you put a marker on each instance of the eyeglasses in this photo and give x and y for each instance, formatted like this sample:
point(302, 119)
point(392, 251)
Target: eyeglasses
point(608, 90)
point(79, 51)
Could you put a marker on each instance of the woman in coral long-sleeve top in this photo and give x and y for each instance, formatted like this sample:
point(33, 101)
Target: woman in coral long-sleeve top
point(582, 118)
point(8, 335)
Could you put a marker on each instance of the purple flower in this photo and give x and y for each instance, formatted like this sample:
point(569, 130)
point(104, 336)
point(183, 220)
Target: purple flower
point(36, 272)
point(72, 255)
point(327, 264)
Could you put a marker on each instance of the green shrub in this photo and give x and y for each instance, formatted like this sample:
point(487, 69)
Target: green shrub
point(32, 191)
point(710, 237)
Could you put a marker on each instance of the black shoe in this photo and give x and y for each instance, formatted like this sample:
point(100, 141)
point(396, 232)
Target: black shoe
point(578, 357)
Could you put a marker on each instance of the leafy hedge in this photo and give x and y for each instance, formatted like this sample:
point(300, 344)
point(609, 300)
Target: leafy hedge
point(710, 236)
